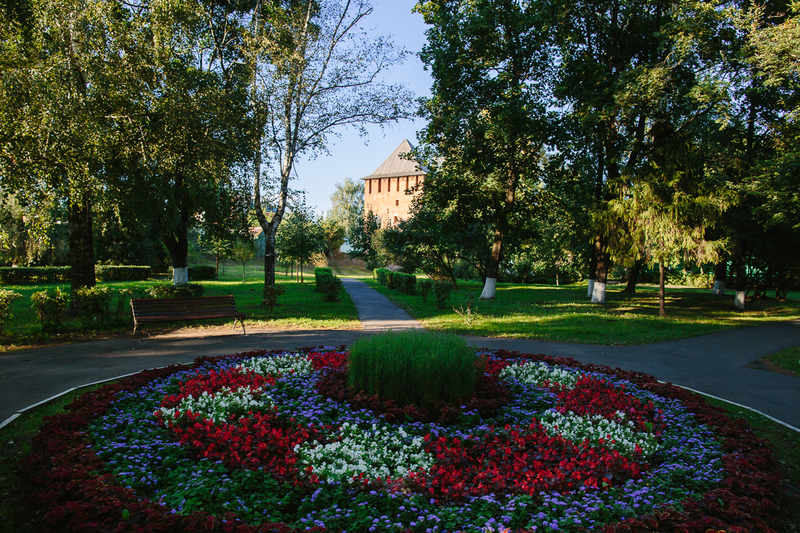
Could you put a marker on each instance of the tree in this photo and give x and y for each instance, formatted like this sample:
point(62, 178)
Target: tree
point(315, 73)
point(361, 242)
point(243, 251)
point(348, 206)
point(334, 236)
point(490, 63)
point(301, 237)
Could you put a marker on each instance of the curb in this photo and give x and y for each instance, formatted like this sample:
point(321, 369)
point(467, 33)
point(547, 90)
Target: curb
point(16, 415)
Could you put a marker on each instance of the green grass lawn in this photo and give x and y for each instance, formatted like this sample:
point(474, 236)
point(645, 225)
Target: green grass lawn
point(300, 308)
point(788, 359)
point(564, 313)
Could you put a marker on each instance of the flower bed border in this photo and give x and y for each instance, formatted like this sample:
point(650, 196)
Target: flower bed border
point(65, 477)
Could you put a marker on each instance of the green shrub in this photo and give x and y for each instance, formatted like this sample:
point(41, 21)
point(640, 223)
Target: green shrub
point(413, 368)
point(405, 283)
point(49, 306)
point(382, 275)
point(441, 293)
point(6, 297)
point(424, 286)
point(320, 271)
point(31, 275)
point(330, 286)
point(92, 304)
point(688, 279)
point(122, 273)
point(202, 272)
point(168, 290)
point(271, 296)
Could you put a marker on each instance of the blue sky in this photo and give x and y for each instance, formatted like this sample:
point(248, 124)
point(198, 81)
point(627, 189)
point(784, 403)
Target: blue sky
point(349, 156)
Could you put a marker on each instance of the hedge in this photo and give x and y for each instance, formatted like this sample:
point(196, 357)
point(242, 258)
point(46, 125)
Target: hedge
point(320, 271)
point(404, 283)
point(122, 273)
point(202, 272)
point(32, 275)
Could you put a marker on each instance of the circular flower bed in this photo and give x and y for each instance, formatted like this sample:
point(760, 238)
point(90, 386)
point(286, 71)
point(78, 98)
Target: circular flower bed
point(277, 442)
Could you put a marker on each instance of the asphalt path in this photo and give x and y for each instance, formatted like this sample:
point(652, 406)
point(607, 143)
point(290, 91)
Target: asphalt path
point(719, 364)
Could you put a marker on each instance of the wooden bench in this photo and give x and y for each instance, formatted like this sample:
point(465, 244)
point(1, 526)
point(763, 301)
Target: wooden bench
point(174, 309)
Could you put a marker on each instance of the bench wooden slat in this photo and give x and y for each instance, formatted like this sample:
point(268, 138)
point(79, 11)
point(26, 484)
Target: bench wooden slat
point(177, 309)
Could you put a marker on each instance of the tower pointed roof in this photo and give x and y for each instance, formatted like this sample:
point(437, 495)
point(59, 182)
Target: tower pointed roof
point(396, 166)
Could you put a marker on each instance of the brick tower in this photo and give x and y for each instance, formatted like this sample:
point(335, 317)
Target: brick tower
point(387, 191)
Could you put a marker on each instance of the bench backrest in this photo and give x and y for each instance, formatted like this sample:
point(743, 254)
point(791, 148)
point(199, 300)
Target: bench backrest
point(200, 306)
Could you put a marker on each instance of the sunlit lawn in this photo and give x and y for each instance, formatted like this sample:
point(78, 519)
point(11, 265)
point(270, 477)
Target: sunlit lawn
point(564, 313)
point(300, 308)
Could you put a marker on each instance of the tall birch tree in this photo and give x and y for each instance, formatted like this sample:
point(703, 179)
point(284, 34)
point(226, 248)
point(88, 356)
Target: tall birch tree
point(316, 71)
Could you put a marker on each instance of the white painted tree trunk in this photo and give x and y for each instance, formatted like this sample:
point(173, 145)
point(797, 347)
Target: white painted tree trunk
point(489, 289)
point(599, 293)
point(739, 301)
point(591, 288)
point(180, 276)
point(719, 287)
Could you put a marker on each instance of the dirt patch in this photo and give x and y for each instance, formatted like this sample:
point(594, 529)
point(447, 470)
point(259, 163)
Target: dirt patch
point(769, 366)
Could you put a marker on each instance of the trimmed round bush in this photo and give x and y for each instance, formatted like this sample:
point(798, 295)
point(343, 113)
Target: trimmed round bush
point(413, 368)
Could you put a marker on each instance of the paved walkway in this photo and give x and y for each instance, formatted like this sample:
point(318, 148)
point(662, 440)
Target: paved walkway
point(715, 364)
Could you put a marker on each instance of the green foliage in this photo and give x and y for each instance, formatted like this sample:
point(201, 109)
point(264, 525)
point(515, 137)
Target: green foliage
point(405, 283)
point(320, 271)
point(123, 272)
point(92, 304)
point(329, 285)
point(347, 206)
point(424, 286)
point(683, 278)
point(49, 306)
point(271, 296)
point(361, 240)
point(189, 290)
point(202, 272)
point(243, 251)
point(441, 293)
point(31, 275)
point(413, 368)
point(300, 237)
point(6, 297)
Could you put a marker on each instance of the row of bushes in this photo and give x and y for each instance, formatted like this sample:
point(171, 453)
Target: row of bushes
point(405, 283)
point(408, 284)
point(55, 274)
point(326, 283)
point(93, 306)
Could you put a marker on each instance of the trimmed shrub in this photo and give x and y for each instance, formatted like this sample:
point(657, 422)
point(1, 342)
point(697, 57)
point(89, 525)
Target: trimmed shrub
point(424, 286)
point(413, 368)
point(92, 304)
point(31, 275)
point(202, 272)
point(168, 290)
point(441, 293)
point(122, 273)
point(49, 306)
point(6, 297)
point(330, 286)
point(400, 281)
point(320, 271)
point(382, 275)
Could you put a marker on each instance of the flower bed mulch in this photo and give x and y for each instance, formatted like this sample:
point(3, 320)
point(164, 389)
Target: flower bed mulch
point(277, 442)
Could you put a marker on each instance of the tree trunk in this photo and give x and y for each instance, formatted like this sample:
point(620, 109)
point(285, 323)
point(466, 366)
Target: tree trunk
point(740, 280)
point(601, 271)
point(662, 307)
point(177, 243)
point(720, 275)
point(633, 277)
point(493, 267)
point(81, 245)
point(592, 271)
